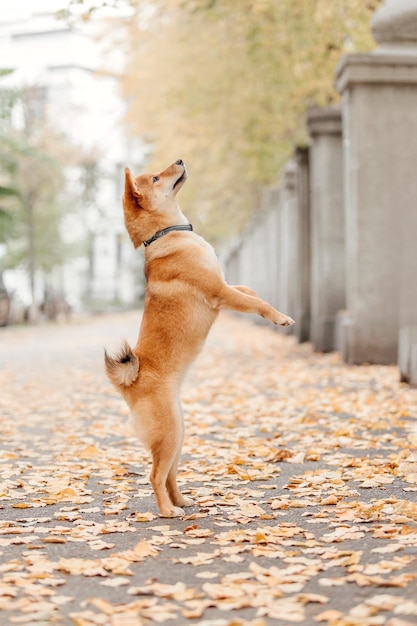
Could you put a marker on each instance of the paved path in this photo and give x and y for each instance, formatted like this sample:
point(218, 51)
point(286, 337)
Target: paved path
point(304, 471)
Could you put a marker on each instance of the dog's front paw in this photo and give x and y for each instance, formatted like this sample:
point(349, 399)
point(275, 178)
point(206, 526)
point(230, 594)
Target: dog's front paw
point(172, 511)
point(287, 321)
point(283, 320)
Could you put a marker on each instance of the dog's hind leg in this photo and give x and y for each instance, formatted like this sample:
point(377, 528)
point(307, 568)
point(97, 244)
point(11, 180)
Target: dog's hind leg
point(163, 457)
point(177, 498)
point(166, 451)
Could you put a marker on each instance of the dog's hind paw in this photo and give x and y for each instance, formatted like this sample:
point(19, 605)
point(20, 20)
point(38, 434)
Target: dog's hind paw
point(185, 501)
point(173, 511)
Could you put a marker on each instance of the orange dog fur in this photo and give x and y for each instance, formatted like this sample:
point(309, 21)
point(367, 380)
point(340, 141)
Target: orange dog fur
point(184, 293)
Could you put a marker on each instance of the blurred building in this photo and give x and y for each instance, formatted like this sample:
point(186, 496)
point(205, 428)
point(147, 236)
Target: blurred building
point(75, 72)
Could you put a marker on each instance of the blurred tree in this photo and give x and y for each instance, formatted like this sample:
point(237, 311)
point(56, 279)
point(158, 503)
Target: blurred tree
point(90, 176)
point(7, 164)
point(32, 160)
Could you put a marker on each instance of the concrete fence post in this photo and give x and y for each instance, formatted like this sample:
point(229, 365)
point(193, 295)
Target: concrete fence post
point(271, 243)
point(288, 261)
point(254, 259)
point(231, 264)
point(379, 92)
point(394, 27)
point(302, 287)
point(327, 224)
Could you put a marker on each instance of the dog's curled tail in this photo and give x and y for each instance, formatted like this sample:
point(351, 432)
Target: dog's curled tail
point(122, 369)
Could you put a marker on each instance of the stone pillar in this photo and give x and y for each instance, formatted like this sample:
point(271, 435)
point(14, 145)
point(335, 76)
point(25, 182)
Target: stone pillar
point(394, 27)
point(288, 242)
point(257, 243)
point(254, 259)
point(247, 272)
point(407, 349)
point(231, 264)
point(271, 244)
point(327, 224)
point(302, 295)
point(379, 92)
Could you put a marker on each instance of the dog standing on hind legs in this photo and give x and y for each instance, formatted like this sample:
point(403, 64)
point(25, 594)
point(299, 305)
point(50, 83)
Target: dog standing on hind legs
point(185, 290)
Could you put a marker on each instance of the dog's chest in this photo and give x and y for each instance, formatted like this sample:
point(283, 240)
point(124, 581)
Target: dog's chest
point(195, 262)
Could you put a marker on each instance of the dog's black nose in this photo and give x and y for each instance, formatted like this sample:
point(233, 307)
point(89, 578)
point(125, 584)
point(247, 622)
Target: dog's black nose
point(179, 162)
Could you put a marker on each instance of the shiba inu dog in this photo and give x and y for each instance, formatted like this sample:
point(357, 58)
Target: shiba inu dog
point(185, 291)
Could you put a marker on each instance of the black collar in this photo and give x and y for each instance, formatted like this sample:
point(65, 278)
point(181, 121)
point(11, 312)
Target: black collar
point(165, 231)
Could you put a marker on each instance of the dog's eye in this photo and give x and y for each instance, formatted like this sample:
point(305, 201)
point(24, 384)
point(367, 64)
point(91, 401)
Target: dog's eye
point(155, 179)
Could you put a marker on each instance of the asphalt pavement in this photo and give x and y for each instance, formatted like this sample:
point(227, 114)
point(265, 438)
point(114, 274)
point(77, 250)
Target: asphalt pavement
point(303, 470)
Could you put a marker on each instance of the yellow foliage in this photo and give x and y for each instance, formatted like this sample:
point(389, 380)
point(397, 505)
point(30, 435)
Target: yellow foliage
point(224, 85)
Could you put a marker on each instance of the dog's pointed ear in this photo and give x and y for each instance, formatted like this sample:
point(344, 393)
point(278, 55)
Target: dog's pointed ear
point(132, 195)
point(132, 208)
